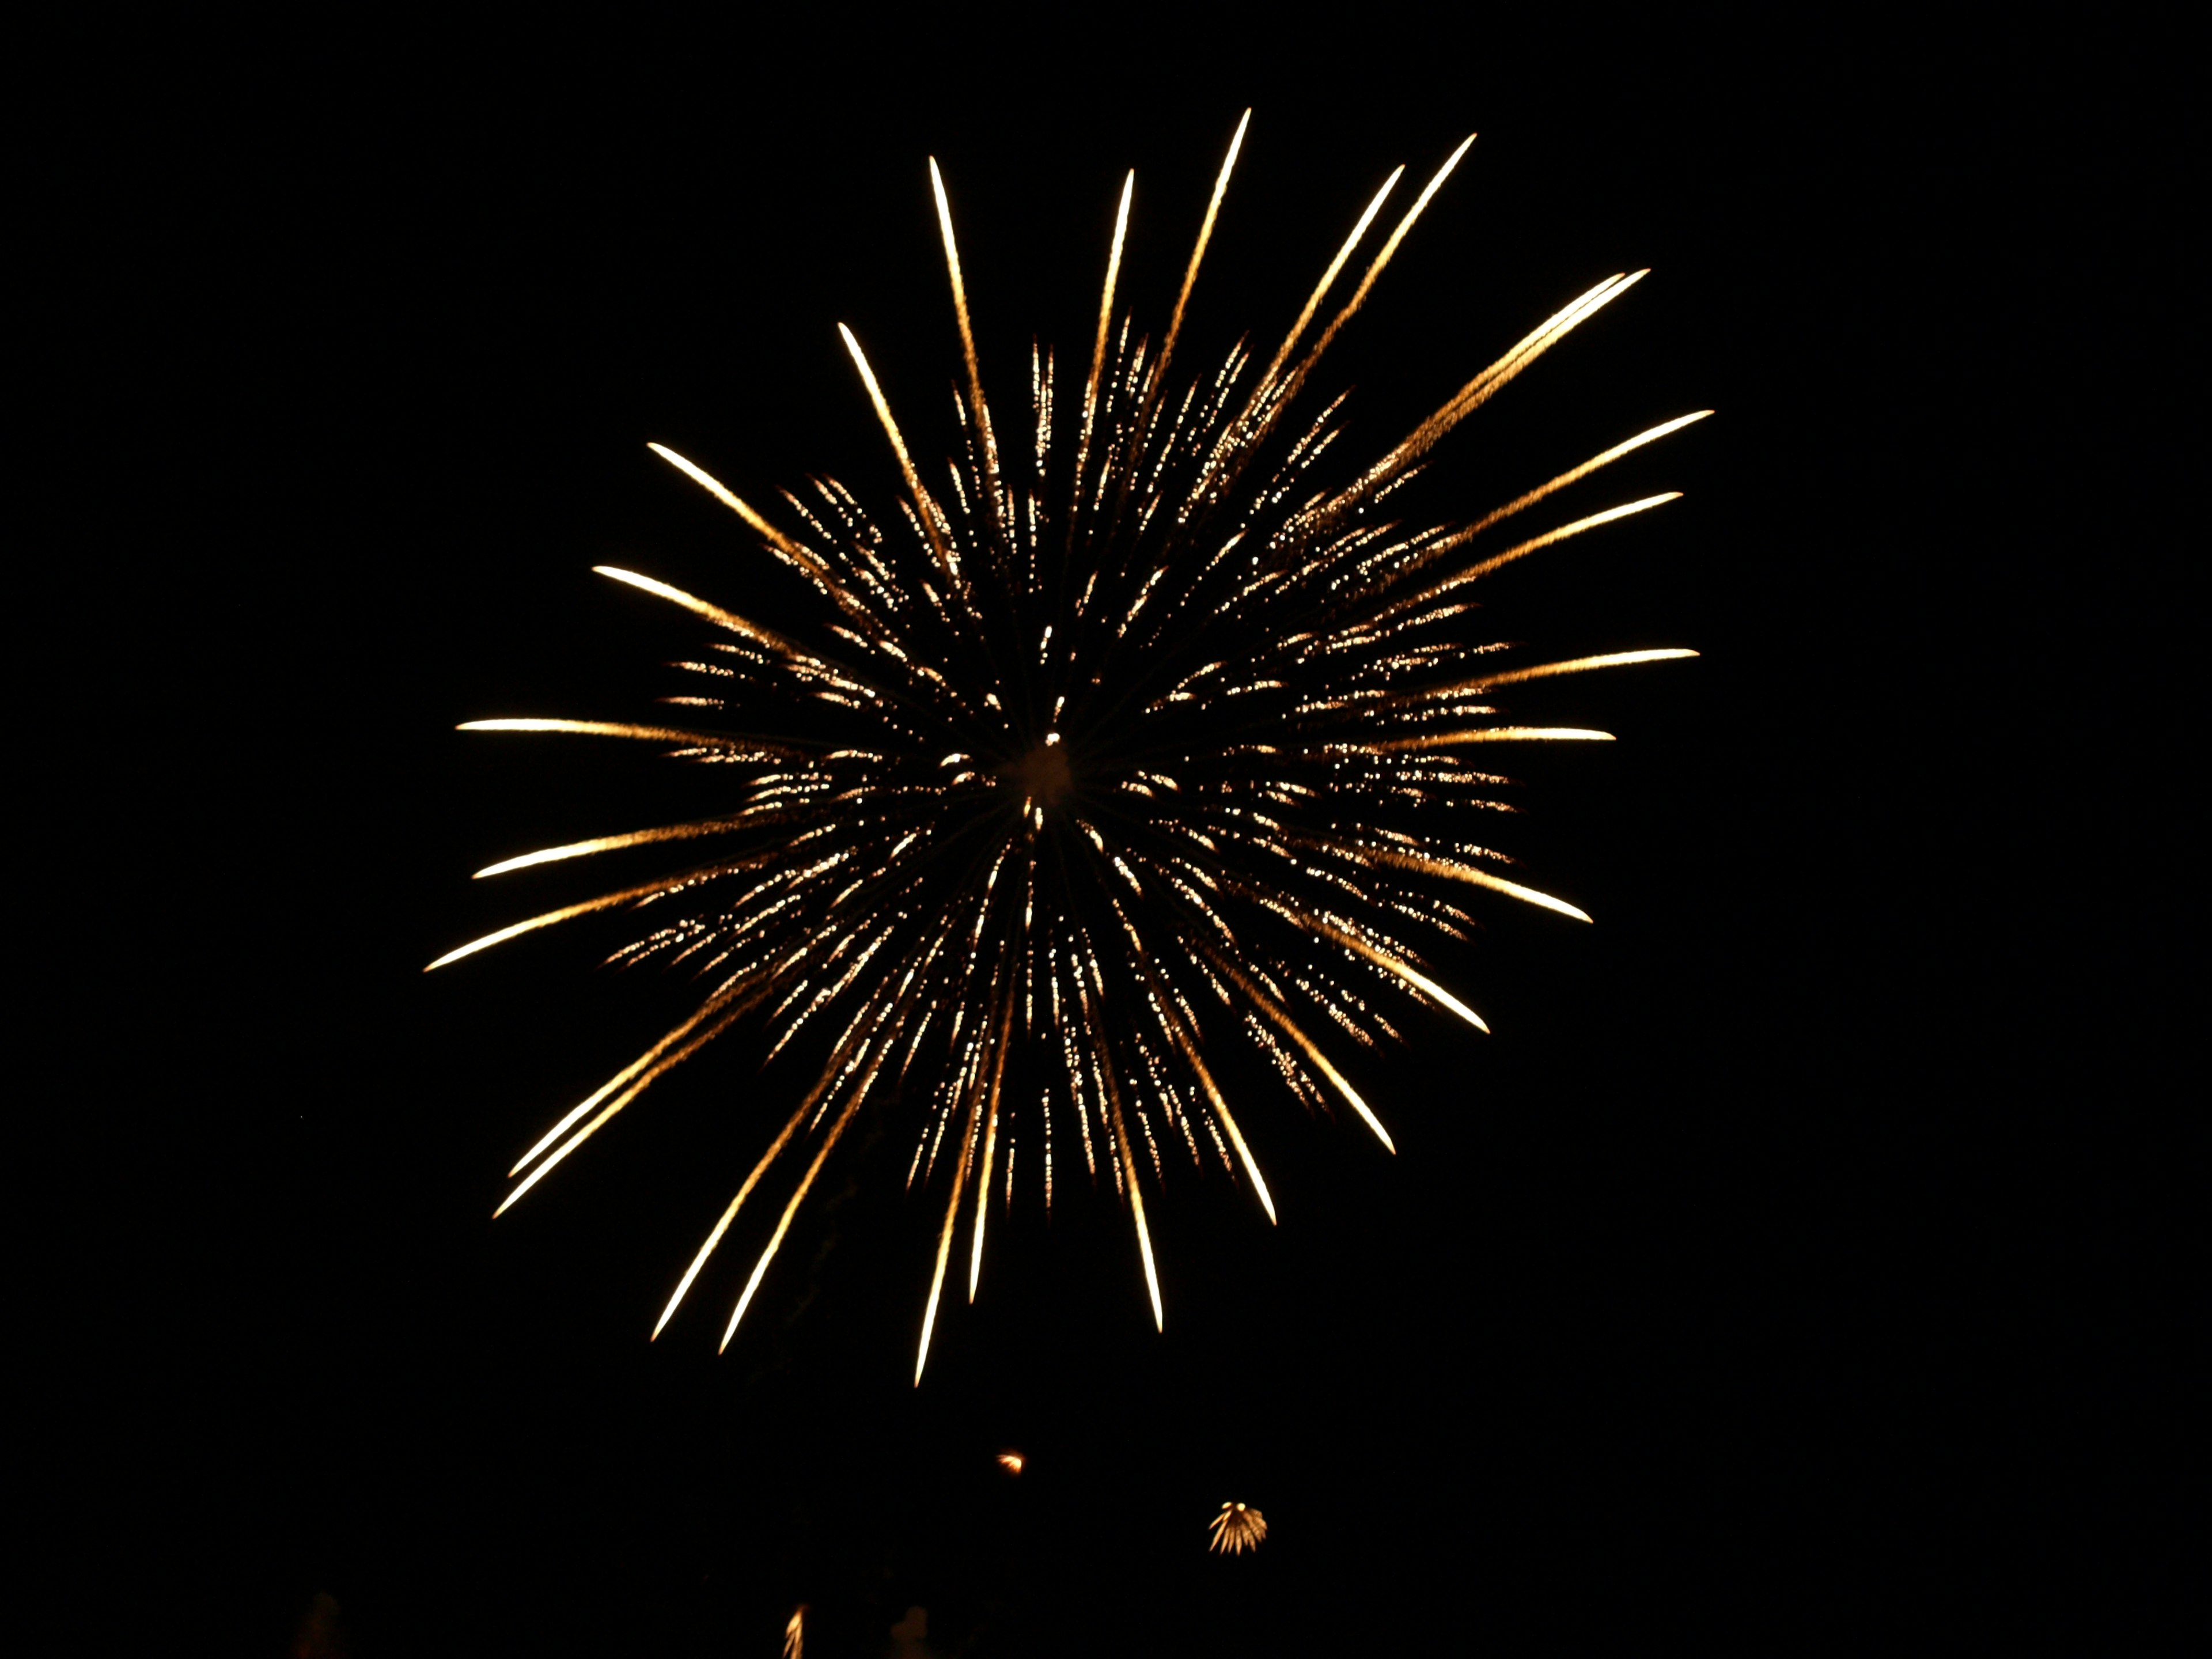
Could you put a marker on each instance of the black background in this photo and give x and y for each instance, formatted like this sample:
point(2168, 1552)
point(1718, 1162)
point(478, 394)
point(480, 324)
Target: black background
point(1747, 1287)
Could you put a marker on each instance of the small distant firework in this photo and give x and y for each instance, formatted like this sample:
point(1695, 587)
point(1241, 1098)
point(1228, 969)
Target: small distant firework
point(1239, 1527)
point(1011, 1462)
point(794, 1633)
point(1128, 744)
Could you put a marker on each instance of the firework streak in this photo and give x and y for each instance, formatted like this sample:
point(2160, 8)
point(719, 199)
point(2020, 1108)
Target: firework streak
point(1122, 746)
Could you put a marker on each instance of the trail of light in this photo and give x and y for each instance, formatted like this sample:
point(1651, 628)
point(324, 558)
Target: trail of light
point(926, 517)
point(612, 1107)
point(944, 1247)
point(783, 1225)
point(975, 401)
point(1041, 403)
point(1575, 665)
point(613, 844)
point(1475, 572)
point(1374, 270)
point(1321, 289)
point(1228, 1121)
point(837, 1062)
point(1485, 386)
point(1099, 346)
point(1477, 877)
point(797, 551)
point(611, 729)
point(990, 1145)
point(713, 613)
point(713, 1005)
point(1575, 474)
point(1136, 1203)
point(1280, 1015)
point(606, 902)
point(1489, 734)
point(1198, 253)
point(1383, 959)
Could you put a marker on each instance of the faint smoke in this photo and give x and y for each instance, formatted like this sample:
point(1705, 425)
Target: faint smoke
point(909, 1636)
point(320, 1635)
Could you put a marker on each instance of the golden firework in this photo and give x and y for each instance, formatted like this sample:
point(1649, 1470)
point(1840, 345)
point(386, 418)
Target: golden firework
point(1137, 742)
point(1238, 1527)
point(1011, 1462)
point(794, 1633)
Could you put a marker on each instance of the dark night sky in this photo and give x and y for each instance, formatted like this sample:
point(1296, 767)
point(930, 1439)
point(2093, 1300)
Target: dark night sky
point(1732, 1292)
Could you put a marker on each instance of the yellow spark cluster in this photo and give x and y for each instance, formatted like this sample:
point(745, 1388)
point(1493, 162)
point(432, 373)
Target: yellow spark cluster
point(1224, 805)
point(1238, 1527)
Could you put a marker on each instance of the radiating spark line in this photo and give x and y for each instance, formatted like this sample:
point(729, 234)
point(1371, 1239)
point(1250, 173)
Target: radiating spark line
point(1492, 380)
point(606, 902)
point(1575, 475)
point(1272, 1006)
point(1481, 879)
point(1229, 1122)
point(796, 551)
point(1328, 280)
point(606, 729)
point(1488, 734)
point(1549, 538)
point(1384, 960)
point(713, 613)
point(721, 1226)
point(921, 501)
point(712, 1006)
point(1389, 247)
point(978, 408)
point(1574, 666)
point(1137, 1207)
point(1105, 322)
point(944, 1251)
point(783, 1223)
point(643, 1080)
point(990, 1145)
point(614, 843)
point(1197, 254)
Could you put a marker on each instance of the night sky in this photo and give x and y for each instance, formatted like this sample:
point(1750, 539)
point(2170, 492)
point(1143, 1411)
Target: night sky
point(1726, 1294)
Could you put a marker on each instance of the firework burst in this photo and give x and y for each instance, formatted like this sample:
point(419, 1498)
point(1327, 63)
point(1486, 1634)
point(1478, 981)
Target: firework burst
point(1127, 741)
point(1238, 1527)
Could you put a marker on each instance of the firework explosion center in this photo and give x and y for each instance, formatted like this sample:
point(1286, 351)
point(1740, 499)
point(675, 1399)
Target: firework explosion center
point(1043, 775)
